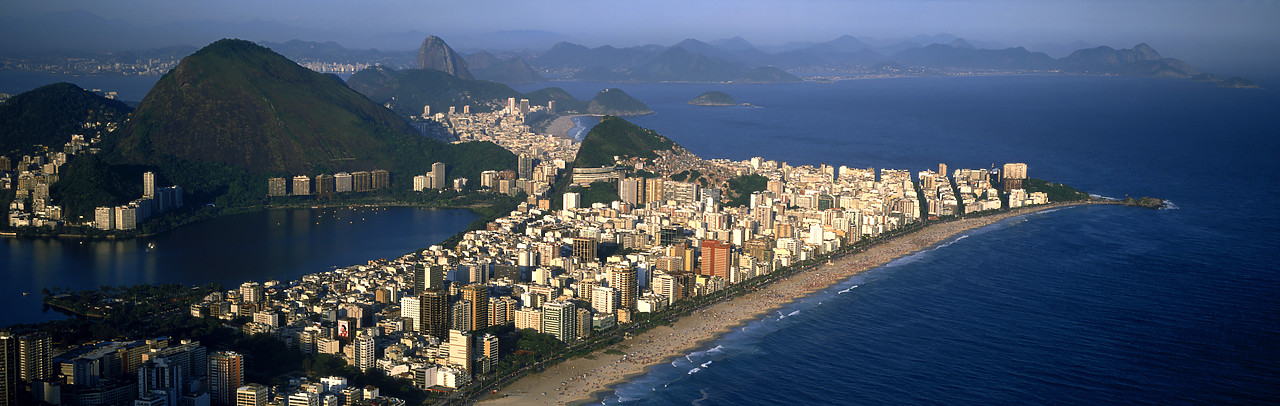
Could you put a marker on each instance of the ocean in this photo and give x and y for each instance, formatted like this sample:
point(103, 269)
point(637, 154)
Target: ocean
point(1082, 305)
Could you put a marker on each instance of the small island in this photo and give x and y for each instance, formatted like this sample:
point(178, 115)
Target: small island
point(713, 99)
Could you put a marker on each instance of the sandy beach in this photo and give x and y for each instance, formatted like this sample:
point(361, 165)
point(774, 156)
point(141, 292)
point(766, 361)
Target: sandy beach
point(561, 126)
point(581, 380)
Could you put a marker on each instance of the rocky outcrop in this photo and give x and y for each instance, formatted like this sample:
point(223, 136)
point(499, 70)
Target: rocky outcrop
point(436, 54)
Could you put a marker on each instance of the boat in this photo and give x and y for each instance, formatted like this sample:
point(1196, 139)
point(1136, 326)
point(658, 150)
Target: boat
point(151, 245)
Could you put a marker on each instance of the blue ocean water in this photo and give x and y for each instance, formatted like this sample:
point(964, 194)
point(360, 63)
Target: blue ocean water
point(1081, 305)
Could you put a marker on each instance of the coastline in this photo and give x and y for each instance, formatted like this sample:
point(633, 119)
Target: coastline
point(582, 380)
point(561, 125)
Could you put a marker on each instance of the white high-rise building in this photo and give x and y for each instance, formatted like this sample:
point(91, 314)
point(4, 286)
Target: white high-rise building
point(572, 201)
point(365, 349)
point(411, 308)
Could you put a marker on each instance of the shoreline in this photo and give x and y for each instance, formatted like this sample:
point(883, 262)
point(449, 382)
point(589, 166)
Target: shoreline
point(561, 125)
point(583, 380)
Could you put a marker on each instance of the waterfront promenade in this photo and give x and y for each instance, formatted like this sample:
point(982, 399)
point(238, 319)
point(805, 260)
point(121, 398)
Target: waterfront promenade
point(582, 380)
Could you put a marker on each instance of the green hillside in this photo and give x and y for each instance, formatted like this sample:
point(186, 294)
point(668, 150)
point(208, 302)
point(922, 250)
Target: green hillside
point(50, 114)
point(407, 91)
point(615, 102)
point(235, 113)
point(617, 137)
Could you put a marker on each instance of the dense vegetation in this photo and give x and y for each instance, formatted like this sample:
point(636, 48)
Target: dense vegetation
point(49, 115)
point(741, 188)
point(1057, 192)
point(87, 182)
point(617, 137)
point(237, 103)
point(597, 192)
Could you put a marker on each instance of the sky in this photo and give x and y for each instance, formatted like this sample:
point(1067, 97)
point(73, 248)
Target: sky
point(1179, 25)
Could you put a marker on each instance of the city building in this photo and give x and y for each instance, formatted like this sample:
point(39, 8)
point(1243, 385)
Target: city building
point(35, 356)
point(253, 394)
point(148, 184)
point(560, 319)
point(478, 297)
point(460, 350)
point(8, 369)
point(276, 187)
point(715, 258)
point(437, 175)
point(365, 350)
point(435, 313)
point(301, 185)
point(226, 375)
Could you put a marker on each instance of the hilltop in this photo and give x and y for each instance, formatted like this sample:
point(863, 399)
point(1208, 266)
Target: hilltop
point(234, 113)
point(617, 137)
point(616, 102)
point(51, 114)
point(436, 54)
point(239, 104)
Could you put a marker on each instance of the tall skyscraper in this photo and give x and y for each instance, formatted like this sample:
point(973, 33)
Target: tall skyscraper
point(427, 277)
point(226, 375)
point(715, 259)
point(524, 166)
point(437, 172)
point(148, 184)
point(435, 313)
point(8, 369)
point(35, 357)
point(478, 295)
point(365, 350)
point(623, 278)
point(560, 319)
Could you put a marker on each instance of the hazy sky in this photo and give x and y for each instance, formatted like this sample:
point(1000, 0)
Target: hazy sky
point(1165, 24)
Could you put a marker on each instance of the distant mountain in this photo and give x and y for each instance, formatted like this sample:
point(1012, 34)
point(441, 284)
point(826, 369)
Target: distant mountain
point(237, 105)
point(436, 54)
point(615, 102)
point(1141, 60)
point(50, 114)
point(713, 98)
point(513, 70)
point(960, 55)
point(573, 56)
point(407, 91)
point(767, 74)
point(298, 50)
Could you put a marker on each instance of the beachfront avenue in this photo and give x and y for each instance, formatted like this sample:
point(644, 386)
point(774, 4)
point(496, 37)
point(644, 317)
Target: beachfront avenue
point(591, 293)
